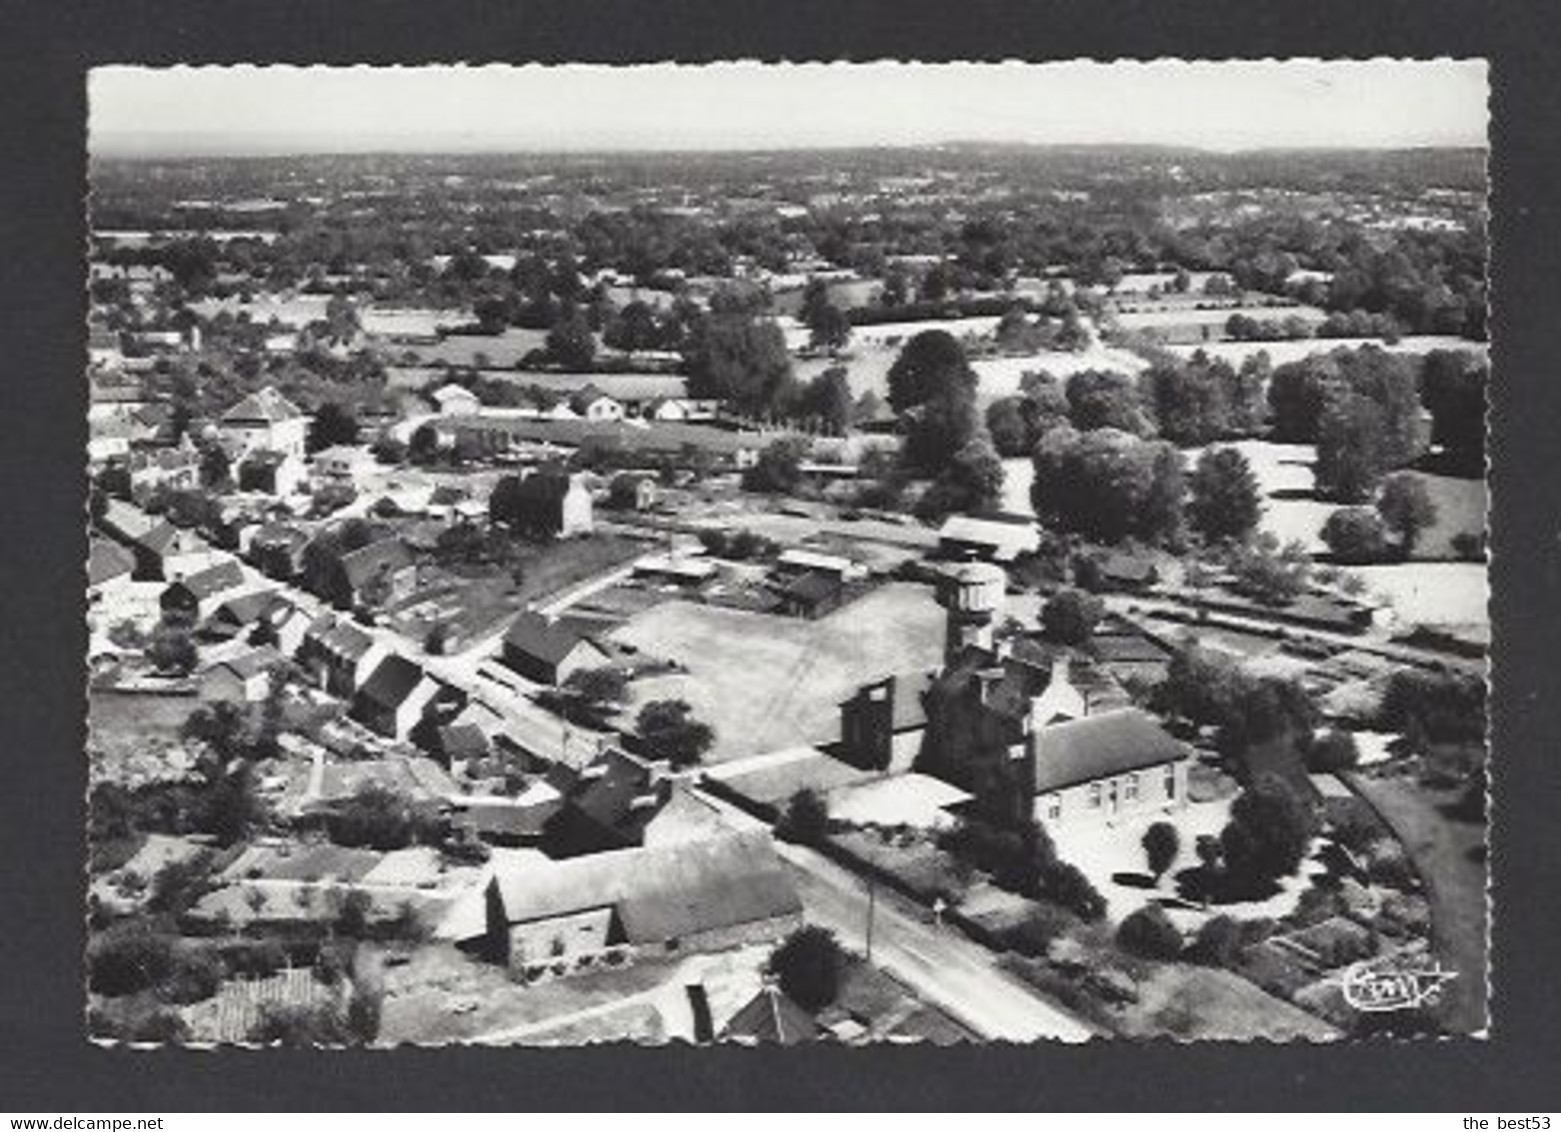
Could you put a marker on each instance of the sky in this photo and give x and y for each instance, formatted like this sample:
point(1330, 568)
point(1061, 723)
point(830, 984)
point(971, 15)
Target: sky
point(1212, 105)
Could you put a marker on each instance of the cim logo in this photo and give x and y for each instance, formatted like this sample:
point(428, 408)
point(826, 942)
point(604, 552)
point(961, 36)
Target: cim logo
point(1374, 990)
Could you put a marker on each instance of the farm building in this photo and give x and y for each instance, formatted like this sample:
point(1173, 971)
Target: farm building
point(109, 568)
point(771, 1017)
point(812, 594)
point(339, 656)
point(881, 727)
point(548, 651)
point(608, 807)
point(277, 550)
point(268, 612)
point(399, 695)
point(376, 575)
point(274, 473)
point(243, 679)
point(455, 400)
point(706, 895)
point(198, 595)
point(991, 538)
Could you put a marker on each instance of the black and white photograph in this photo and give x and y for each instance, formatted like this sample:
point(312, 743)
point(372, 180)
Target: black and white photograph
point(781, 553)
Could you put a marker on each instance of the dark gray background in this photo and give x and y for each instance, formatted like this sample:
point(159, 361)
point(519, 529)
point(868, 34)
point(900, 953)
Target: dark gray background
point(45, 1063)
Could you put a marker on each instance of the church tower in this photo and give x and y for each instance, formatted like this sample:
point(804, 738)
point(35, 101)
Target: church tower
point(973, 595)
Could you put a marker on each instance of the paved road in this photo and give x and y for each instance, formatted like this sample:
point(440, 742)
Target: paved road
point(941, 964)
point(945, 967)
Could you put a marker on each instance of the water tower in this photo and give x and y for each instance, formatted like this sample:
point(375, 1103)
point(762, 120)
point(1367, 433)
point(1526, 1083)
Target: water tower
point(973, 596)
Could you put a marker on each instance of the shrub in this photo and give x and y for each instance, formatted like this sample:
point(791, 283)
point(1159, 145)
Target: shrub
point(1356, 536)
point(1066, 885)
point(1332, 751)
point(128, 961)
point(1218, 942)
point(1150, 933)
point(196, 976)
point(1161, 844)
point(806, 820)
point(1033, 935)
point(259, 959)
point(808, 965)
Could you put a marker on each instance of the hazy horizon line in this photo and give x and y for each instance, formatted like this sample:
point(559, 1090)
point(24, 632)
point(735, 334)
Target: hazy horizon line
point(140, 146)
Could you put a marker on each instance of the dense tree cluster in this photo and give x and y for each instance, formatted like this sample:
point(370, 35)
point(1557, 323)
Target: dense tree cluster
point(1109, 485)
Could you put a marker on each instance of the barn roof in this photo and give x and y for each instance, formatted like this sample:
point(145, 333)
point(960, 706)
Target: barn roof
point(534, 635)
point(661, 893)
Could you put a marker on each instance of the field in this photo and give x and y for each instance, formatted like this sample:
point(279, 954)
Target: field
point(1292, 511)
point(502, 350)
point(765, 682)
point(1177, 318)
point(123, 725)
point(1449, 855)
point(1448, 594)
point(1290, 351)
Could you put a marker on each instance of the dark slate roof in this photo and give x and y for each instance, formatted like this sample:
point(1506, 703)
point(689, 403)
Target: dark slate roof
point(504, 819)
point(1128, 567)
point(813, 587)
point(771, 1016)
point(213, 580)
point(279, 534)
point(463, 741)
point(106, 561)
point(534, 635)
point(1076, 751)
point(340, 637)
point(392, 682)
point(248, 608)
point(388, 554)
point(611, 790)
point(251, 663)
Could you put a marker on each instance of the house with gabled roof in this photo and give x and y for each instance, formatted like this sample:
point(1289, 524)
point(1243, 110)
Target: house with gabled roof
point(339, 656)
point(264, 420)
point(399, 695)
point(109, 568)
point(710, 895)
point(548, 651)
point(241, 679)
point(197, 595)
point(771, 1017)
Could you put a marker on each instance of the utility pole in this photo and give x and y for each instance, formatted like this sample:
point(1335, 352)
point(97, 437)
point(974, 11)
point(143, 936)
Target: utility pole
point(872, 901)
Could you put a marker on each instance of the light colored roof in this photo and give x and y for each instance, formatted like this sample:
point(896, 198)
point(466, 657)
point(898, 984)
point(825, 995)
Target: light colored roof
point(268, 406)
point(660, 893)
point(1012, 537)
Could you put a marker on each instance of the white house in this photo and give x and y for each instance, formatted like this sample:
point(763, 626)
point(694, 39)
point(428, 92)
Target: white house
point(455, 400)
point(341, 466)
point(264, 420)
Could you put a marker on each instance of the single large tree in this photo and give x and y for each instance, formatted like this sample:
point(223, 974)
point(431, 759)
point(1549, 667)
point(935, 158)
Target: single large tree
point(669, 731)
point(1406, 508)
point(1351, 455)
point(332, 424)
point(1106, 399)
point(1225, 502)
point(739, 357)
point(1161, 843)
point(1269, 831)
point(1355, 536)
point(808, 966)
point(928, 364)
point(1070, 616)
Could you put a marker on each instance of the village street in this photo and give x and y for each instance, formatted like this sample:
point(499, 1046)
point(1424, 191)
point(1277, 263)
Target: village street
point(942, 966)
